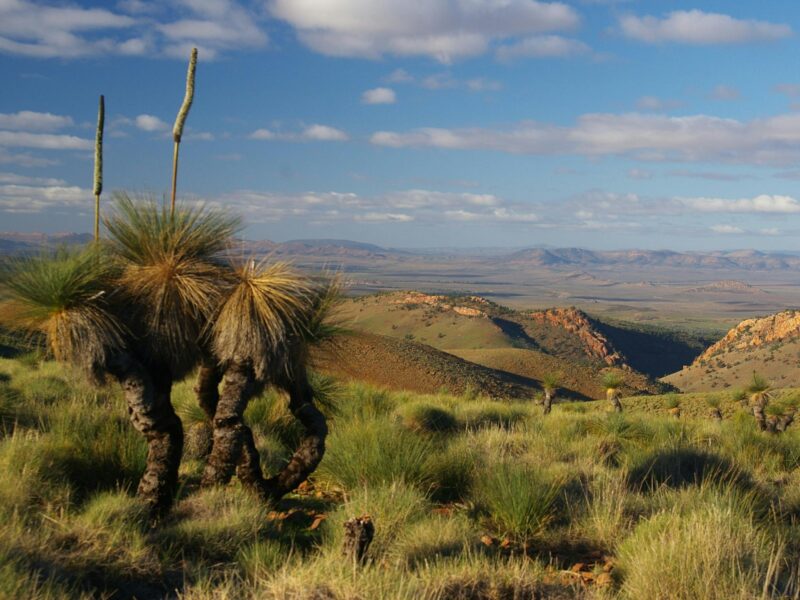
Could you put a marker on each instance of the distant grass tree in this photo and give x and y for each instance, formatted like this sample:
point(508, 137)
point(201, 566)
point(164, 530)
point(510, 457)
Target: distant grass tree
point(550, 385)
point(714, 403)
point(612, 382)
point(760, 393)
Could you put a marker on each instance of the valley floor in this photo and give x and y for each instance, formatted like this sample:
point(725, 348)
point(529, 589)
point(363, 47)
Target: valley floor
point(470, 497)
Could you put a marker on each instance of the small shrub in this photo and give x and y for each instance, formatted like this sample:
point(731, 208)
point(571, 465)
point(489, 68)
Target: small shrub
point(374, 452)
point(520, 501)
point(361, 401)
point(453, 471)
point(425, 417)
point(709, 552)
point(680, 467)
point(672, 401)
point(476, 415)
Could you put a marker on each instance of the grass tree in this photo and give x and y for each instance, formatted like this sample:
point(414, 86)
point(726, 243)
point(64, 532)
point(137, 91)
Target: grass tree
point(156, 299)
point(612, 382)
point(673, 405)
point(261, 335)
point(739, 395)
point(780, 415)
point(64, 298)
point(760, 392)
point(714, 403)
point(550, 385)
point(170, 281)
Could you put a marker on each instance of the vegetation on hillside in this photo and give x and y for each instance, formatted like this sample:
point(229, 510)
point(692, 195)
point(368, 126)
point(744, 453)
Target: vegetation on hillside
point(471, 498)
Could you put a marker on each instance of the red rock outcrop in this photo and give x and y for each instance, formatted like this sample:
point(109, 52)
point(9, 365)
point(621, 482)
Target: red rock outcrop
point(753, 333)
point(577, 322)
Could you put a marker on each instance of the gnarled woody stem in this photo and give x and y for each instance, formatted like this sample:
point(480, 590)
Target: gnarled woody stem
point(312, 447)
point(151, 413)
point(229, 428)
point(209, 376)
point(234, 445)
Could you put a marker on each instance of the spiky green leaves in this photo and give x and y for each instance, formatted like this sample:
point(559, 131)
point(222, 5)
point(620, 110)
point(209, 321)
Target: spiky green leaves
point(612, 380)
point(760, 390)
point(264, 311)
point(551, 381)
point(63, 296)
point(273, 312)
point(171, 273)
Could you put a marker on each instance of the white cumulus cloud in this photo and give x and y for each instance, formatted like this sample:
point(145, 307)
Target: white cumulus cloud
point(44, 141)
point(651, 137)
point(55, 29)
point(726, 229)
point(700, 28)
point(27, 120)
point(150, 123)
point(324, 133)
point(763, 203)
point(541, 46)
point(379, 95)
point(442, 29)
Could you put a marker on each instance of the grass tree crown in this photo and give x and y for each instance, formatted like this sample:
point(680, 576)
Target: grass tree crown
point(172, 273)
point(62, 297)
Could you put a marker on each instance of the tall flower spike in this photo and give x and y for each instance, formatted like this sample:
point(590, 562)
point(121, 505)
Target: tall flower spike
point(98, 165)
point(177, 130)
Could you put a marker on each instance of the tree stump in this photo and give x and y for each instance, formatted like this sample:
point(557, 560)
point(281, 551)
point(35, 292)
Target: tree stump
point(358, 534)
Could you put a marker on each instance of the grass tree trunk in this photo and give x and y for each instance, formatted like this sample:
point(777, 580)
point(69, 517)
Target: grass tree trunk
point(778, 424)
point(200, 436)
point(230, 432)
point(209, 377)
point(234, 447)
point(311, 449)
point(760, 416)
point(613, 396)
point(151, 412)
point(548, 401)
point(309, 452)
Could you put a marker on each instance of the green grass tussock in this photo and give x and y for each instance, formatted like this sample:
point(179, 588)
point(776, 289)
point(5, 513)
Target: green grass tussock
point(712, 551)
point(520, 500)
point(471, 498)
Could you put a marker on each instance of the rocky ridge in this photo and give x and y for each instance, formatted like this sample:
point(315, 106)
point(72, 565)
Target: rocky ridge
point(753, 333)
point(578, 322)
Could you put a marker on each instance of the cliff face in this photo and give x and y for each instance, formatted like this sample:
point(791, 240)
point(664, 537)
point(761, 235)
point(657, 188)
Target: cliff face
point(753, 333)
point(578, 323)
point(443, 302)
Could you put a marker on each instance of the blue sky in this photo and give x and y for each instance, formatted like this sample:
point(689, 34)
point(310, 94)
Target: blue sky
point(591, 123)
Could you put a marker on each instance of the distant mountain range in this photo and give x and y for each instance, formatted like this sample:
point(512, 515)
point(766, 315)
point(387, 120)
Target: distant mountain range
point(571, 258)
point(581, 258)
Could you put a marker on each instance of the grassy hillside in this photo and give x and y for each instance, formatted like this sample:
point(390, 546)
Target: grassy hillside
point(526, 344)
point(584, 382)
point(471, 498)
point(777, 362)
point(404, 365)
